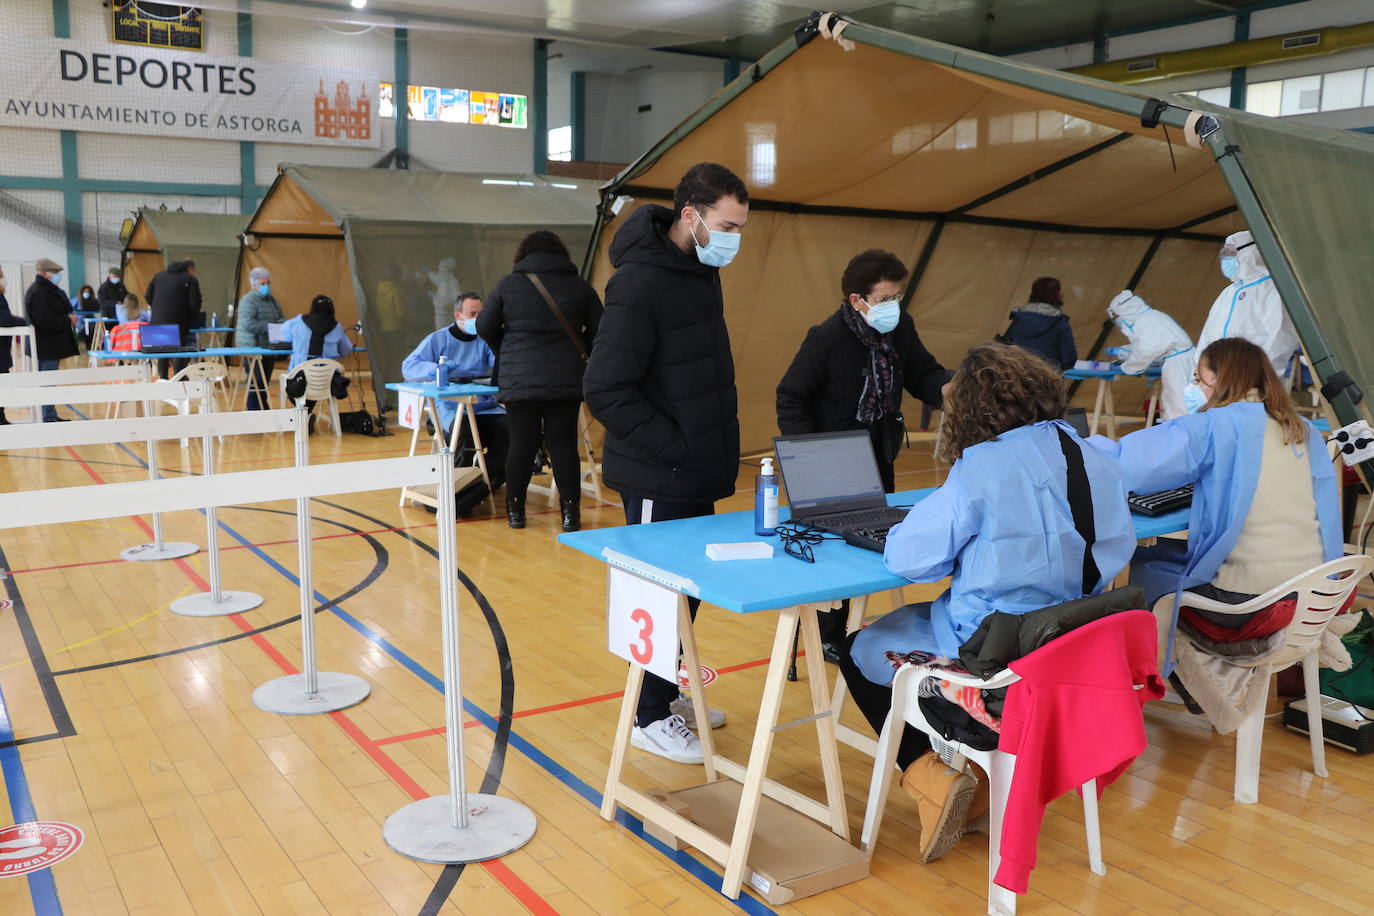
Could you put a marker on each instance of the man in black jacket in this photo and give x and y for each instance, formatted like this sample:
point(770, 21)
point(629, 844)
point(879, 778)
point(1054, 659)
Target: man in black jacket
point(173, 295)
point(112, 294)
point(662, 381)
point(50, 311)
point(850, 372)
point(7, 320)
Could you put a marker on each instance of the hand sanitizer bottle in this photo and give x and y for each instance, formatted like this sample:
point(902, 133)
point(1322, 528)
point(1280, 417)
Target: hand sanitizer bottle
point(766, 500)
point(441, 373)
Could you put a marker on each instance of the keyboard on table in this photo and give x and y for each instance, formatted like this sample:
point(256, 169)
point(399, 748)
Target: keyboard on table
point(886, 516)
point(1161, 503)
point(868, 538)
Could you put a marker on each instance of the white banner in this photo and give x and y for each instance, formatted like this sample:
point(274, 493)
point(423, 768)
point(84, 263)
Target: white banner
point(65, 85)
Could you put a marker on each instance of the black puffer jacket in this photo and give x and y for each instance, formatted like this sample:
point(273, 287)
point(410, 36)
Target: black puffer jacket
point(820, 391)
point(174, 297)
point(50, 311)
point(535, 360)
point(661, 378)
point(7, 320)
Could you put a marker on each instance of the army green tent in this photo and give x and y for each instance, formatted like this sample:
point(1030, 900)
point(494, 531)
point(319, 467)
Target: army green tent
point(160, 237)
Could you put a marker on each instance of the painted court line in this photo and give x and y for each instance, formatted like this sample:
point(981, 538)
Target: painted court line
point(42, 887)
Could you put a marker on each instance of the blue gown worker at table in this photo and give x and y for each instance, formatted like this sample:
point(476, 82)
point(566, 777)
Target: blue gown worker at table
point(1002, 526)
point(661, 380)
point(468, 357)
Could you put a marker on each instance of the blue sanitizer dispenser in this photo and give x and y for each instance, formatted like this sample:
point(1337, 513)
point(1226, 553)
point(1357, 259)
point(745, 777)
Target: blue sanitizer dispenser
point(766, 500)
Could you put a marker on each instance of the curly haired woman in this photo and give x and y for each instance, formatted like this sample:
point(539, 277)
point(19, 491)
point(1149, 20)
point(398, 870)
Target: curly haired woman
point(1002, 527)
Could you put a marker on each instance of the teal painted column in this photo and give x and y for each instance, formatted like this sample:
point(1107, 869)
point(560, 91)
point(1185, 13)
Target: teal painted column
point(539, 106)
point(733, 67)
point(1238, 75)
point(577, 115)
point(248, 150)
point(72, 213)
point(401, 89)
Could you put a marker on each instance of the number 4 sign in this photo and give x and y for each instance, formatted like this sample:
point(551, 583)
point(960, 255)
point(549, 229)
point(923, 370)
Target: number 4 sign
point(408, 406)
point(642, 623)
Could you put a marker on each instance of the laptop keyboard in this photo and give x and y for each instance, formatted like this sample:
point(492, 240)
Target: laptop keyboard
point(1161, 503)
point(867, 538)
point(885, 517)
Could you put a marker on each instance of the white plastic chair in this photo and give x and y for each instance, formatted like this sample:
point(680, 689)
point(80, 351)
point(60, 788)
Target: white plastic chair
point(319, 373)
point(196, 372)
point(1321, 592)
point(998, 765)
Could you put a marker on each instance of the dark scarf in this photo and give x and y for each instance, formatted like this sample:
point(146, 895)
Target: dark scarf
point(460, 335)
point(883, 377)
point(319, 326)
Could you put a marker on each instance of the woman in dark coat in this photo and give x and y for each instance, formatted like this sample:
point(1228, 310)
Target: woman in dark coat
point(7, 320)
point(539, 365)
point(1042, 327)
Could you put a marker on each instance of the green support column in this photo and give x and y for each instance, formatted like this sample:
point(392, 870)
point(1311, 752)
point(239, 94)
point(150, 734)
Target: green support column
point(577, 115)
point(539, 106)
point(733, 67)
point(72, 212)
point(1238, 75)
point(248, 151)
point(399, 93)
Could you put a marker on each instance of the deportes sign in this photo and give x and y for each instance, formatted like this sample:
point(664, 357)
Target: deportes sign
point(63, 85)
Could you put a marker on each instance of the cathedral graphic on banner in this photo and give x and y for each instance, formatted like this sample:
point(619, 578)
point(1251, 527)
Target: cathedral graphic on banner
point(343, 116)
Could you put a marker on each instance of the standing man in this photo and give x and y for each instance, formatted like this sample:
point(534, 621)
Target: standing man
point(174, 297)
point(7, 320)
point(257, 309)
point(112, 294)
point(662, 381)
point(53, 322)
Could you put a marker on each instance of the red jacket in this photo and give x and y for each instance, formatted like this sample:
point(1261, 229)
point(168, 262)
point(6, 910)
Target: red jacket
point(1075, 715)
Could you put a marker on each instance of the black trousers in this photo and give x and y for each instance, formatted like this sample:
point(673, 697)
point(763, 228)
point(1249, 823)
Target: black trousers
point(555, 424)
point(258, 397)
point(657, 694)
point(495, 432)
point(874, 701)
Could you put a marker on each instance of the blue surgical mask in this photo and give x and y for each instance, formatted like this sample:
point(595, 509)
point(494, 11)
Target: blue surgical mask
point(57, 277)
point(721, 247)
point(883, 316)
point(468, 325)
point(1193, 398)
point(1230, 266)
point(265, 290)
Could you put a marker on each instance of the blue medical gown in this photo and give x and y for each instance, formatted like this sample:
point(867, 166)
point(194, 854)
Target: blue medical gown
point(470, 358)
point(1001, 526)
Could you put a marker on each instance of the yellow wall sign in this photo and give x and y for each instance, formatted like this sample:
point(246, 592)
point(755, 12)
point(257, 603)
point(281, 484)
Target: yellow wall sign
point(157, 25)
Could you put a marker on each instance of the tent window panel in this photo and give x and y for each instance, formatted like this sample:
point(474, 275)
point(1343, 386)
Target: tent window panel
point(1264, 98)
point(1369, 88)
point(1342, 89)
point(1301, 95)
point(560, 144)
point(1219, 96)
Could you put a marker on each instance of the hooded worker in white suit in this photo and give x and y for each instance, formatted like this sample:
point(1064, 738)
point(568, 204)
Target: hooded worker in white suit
point(1249, 307)
point(1154, 336)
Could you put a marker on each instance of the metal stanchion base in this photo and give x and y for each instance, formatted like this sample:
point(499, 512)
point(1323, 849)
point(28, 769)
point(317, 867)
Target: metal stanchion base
point(423, 830)
point(170, 551)
point(287, 696)
point(204, 604)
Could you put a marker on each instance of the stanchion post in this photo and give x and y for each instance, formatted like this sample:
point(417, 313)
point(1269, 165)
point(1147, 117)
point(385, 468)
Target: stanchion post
point(459, 827)
point(158, 549)
point(312, 691)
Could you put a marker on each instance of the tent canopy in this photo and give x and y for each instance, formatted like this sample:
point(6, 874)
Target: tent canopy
point(393, 248)
point(983, 174)
point(160, 237)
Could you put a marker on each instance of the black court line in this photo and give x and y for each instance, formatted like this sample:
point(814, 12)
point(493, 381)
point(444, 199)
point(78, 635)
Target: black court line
point(47, 682)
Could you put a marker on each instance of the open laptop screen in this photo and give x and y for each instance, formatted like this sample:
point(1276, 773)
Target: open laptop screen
point(827, 472)
point(160, 335)
point(276, 332)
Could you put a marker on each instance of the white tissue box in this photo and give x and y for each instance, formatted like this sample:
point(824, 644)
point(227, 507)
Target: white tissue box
point(744, 550)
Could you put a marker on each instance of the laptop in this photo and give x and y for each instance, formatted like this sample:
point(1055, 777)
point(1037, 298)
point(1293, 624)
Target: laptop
point(276, 336)
point(833, 484)
point(161, 338)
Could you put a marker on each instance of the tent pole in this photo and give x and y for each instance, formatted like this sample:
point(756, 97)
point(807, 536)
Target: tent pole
point(919, 271)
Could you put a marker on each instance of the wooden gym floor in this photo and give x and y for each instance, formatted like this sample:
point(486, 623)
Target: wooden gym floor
point(137, 726)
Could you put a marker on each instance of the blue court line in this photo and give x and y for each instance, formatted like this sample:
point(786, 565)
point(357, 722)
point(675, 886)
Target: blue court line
point(42, 887)
point(689, 863)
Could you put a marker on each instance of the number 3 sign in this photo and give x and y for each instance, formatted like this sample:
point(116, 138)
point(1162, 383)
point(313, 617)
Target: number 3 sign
point(642, 623)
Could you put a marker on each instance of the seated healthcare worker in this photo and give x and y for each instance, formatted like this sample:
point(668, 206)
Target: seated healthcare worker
point(1265, 504)
point(1002, 526)
point(467, 357)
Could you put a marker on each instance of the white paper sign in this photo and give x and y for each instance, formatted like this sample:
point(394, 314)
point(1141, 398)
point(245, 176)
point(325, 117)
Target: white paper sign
point(410, 409)
point(642, 624)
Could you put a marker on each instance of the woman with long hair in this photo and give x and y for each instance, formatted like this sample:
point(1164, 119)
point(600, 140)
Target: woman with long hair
point(1041, 325)
point(1002, 527)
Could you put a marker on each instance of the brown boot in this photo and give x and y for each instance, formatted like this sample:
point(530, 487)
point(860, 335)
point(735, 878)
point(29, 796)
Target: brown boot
point(942, 796)
point(976, 821)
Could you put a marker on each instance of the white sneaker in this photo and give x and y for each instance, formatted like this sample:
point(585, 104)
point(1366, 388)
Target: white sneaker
point(668, 738)
point(683, 707)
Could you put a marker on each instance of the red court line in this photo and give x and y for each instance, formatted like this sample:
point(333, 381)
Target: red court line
point(507, 878)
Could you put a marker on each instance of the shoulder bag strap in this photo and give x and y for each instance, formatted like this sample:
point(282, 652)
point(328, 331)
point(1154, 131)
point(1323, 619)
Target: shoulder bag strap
point(1081, 507)
point(558, 313)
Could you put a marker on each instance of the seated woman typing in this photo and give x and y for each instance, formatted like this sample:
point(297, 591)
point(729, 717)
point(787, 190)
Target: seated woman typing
point(1265, 504)
point(1003, 527)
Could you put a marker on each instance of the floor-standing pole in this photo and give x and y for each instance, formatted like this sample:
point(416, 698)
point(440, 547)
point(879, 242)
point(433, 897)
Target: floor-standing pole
point(216, 602)
point(458, 827)
point(158, 549)
point(313, 691)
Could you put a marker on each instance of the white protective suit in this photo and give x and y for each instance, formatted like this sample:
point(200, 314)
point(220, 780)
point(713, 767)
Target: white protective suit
point(1250, 308)
point(1153, 335)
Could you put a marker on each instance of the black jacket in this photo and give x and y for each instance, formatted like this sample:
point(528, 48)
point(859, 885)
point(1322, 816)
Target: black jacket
point(661, 378)
point(174, 297)
point(820, 391)
point(7, 320)
point(535, 360)
point(50, 311)
point(1045, 330)
point(111, 297)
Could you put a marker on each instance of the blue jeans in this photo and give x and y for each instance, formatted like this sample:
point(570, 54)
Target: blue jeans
point(48, 365)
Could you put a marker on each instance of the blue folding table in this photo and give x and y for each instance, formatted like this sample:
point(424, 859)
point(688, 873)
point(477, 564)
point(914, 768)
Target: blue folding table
point(1105, 405)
